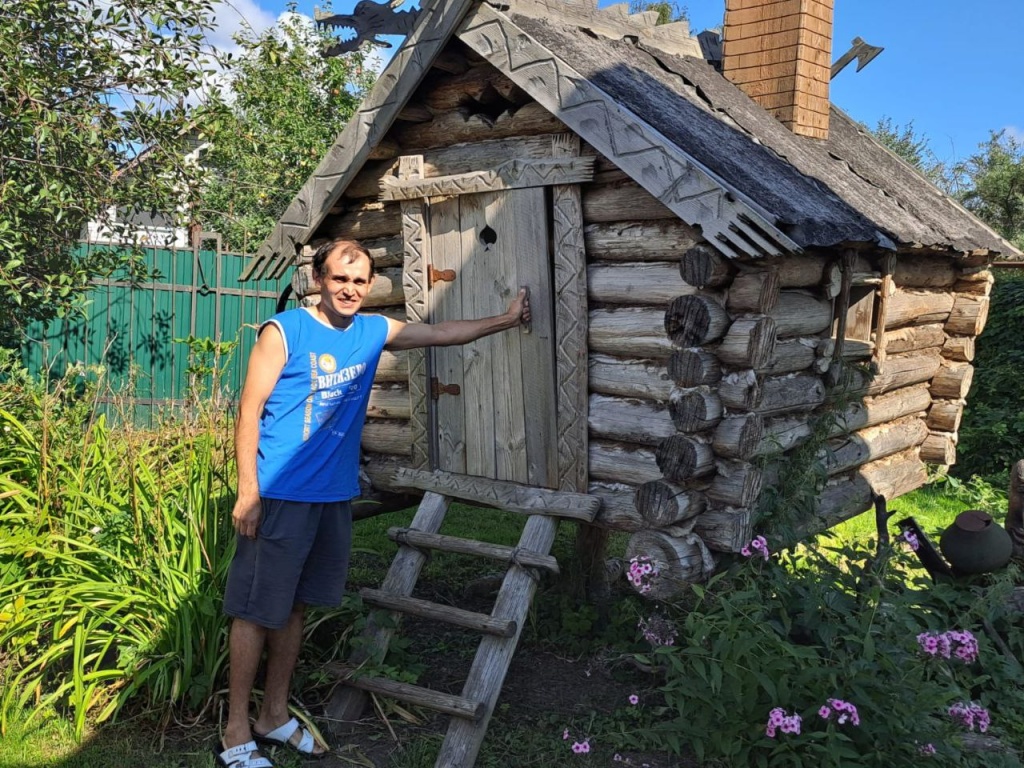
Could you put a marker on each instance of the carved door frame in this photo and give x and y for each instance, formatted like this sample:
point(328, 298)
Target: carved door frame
point(563, 173)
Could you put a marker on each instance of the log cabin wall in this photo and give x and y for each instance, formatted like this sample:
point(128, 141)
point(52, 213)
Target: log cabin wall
point(700, 368)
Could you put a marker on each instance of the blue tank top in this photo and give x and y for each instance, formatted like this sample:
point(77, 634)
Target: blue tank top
point(312, 422)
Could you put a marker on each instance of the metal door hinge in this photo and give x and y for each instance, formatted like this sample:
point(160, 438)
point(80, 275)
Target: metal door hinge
point(434, 275)
point(437, 389)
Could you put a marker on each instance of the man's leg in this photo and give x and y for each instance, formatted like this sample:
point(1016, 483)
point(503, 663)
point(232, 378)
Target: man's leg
point(246, 647)
point(282, 654)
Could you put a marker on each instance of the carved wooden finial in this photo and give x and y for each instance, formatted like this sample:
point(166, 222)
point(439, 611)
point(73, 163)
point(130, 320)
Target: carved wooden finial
point(369, 20)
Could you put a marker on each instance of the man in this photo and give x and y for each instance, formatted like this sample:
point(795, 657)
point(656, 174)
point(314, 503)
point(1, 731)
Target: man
point(297, 438)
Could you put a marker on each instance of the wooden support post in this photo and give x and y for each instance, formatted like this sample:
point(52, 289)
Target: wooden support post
point(843, 304)
point(889, 267)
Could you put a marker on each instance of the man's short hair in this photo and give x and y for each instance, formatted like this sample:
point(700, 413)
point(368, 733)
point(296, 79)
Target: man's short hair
point(350, 251)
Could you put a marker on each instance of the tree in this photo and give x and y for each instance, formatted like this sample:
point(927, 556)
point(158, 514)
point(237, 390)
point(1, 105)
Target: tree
point(668, 10)
point(991, 185)
point(94, 115)
point(906, 143)
point(285, 106)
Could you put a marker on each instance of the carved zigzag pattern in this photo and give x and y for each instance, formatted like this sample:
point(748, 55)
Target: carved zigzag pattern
point(681, 183)
point(414, 284)
point(570, 283)
point(570, 293)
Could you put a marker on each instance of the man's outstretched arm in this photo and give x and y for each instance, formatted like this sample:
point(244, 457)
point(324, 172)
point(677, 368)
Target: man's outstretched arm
point(412, 335)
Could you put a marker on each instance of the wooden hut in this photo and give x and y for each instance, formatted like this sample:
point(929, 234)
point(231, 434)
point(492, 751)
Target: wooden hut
point(704, 242)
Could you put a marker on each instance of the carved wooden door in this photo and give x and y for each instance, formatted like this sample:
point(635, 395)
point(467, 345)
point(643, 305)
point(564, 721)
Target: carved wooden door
point(492, 402)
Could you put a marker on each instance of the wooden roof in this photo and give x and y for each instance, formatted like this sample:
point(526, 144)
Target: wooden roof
point(678, 127)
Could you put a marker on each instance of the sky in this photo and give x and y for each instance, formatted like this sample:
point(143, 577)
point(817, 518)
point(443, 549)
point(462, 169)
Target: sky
point(953, 68)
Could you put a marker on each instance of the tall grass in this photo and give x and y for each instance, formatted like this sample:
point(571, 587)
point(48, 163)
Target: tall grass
point(113, 557)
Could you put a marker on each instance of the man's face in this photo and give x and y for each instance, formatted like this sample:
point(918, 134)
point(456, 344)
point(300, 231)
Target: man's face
point(344, 283)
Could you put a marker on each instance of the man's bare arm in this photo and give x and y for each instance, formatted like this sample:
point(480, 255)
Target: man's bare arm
point(412, 335)
point(265, 366)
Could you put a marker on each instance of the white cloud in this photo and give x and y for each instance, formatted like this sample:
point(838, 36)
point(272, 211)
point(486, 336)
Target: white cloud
point(234, 16)
point(1015, 132)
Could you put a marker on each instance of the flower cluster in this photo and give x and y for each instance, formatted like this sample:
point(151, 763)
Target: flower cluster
point(658, 630)
point(642, 573)
point(578, 747)
point(759, 544)
point(963, 644)
point(843, 710)
point(926, 749)
point(969, 714)
point(779, 720)
point(910, 538)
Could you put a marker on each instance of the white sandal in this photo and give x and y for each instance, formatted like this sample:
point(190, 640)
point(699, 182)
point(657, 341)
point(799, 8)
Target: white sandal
point(282, 735)
point(239, 757)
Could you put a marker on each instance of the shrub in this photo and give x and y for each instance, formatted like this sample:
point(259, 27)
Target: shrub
point(825, 658)
point(114, 551)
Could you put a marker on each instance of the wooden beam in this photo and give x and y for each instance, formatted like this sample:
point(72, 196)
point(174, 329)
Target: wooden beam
point(512, 497)
point(508, 555)
point(456, 706)
point(515, 174)
point(458, 617)
point(414, 285)
point(734, 224)
point(571, 326)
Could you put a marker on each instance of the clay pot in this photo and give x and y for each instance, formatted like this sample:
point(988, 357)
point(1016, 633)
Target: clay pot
point(975, 543)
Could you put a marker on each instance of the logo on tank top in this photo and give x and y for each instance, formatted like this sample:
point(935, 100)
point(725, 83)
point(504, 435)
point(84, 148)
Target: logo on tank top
point(327, 363)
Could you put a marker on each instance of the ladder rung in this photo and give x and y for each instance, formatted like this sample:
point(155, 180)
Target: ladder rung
point(456, 706)
point(480, 622)
point(460, 546)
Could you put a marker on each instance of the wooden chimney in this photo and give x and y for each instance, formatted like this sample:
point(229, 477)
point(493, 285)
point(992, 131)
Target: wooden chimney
point(780, 53)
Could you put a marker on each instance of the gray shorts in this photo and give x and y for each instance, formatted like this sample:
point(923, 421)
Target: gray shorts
point(299, 555)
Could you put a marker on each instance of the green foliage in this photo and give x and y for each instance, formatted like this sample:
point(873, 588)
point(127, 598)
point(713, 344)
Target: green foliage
point(991, 185)
point(668, 10)
point(93, 118)
point(286, 105)
point(992, 432)
point(914, 148)
point(115, 548)
point(831, 623)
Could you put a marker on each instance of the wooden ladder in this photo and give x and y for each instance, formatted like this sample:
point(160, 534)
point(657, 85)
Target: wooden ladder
point(471, 711)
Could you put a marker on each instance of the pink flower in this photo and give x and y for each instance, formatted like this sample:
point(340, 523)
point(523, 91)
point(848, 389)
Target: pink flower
point(758, 544)
point(581, 747)
point(565, 735)
point(634, 699)
point(617, 758)
point(927, 749)
point(911, 539)
point(779, 720)
point(969, 714)
point(961, 644)
point(845, 712)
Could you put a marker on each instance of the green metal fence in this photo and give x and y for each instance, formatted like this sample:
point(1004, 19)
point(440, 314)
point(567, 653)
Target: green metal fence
point(131, 328)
